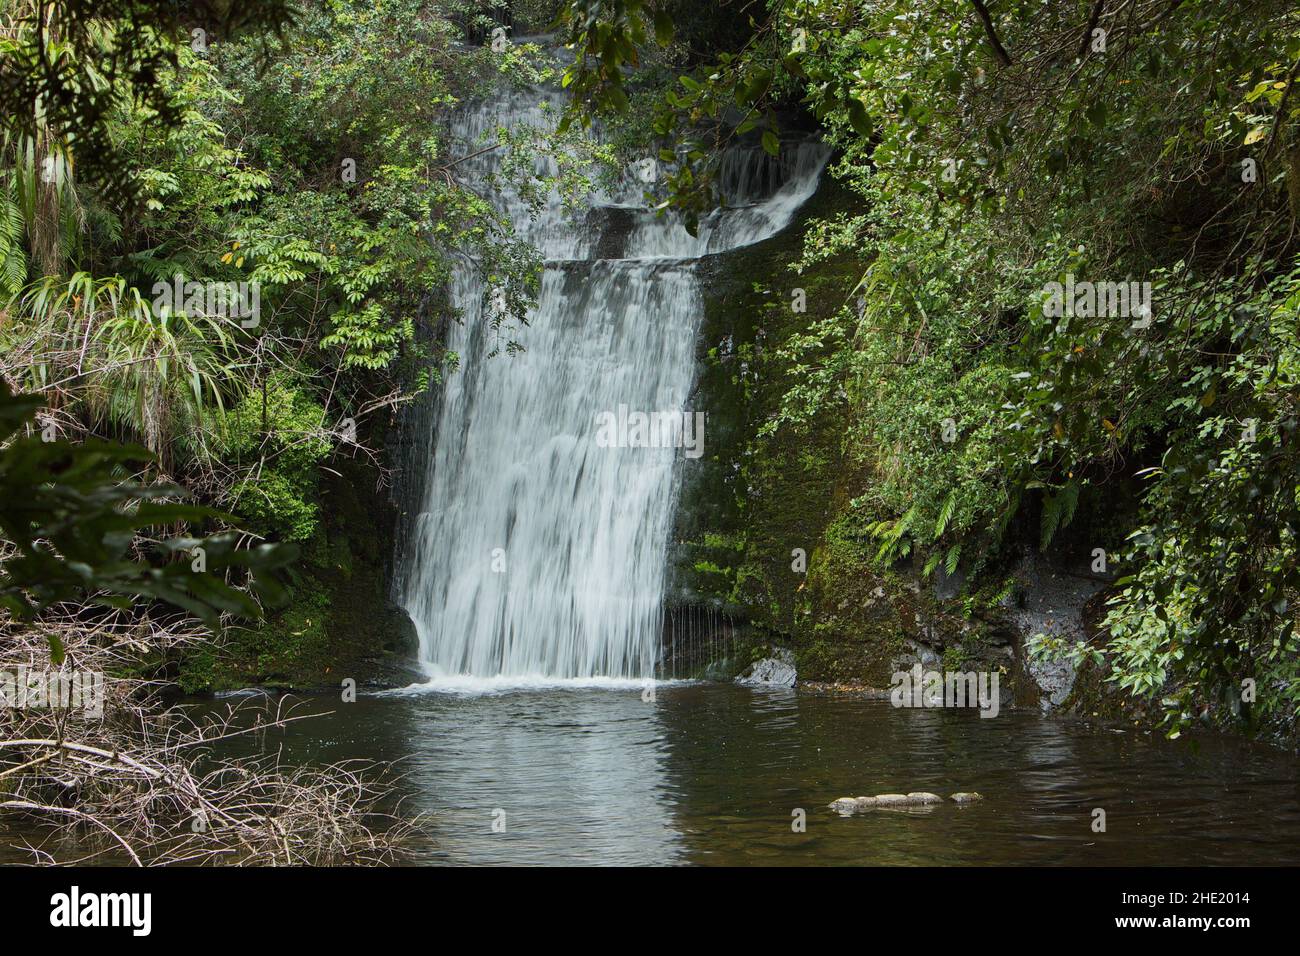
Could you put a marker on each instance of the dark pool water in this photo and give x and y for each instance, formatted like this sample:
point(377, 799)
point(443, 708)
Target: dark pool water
point(712, 773)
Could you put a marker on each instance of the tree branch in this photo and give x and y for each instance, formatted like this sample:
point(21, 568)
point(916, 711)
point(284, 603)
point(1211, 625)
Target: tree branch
point(999, 51)
point(1092, 25)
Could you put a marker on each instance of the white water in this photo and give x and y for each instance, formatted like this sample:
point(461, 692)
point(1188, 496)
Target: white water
point(536, 555)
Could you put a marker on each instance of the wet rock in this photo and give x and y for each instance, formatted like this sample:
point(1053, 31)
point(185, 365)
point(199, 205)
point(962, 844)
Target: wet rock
point(775, 671)
point(947, 586)
point(916, 653)
point(891, 799)
point(611, 225)
point(1051, 600)
point(917, 798)
point(1055, 680)
point(966, 797)
point(847, 805)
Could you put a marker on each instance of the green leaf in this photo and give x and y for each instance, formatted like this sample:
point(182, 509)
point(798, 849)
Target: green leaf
point(858, 117)
point(663, 27)
point(57, 651)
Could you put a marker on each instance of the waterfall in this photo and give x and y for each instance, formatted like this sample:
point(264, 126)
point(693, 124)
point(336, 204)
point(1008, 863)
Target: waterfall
point(534, 553)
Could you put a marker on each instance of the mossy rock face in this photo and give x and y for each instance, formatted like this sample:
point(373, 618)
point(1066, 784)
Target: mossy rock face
point(340, 622)
point(754, 534)
point(746, 506)
point(855, 622)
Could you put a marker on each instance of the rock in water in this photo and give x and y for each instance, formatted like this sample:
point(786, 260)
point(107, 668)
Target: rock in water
point(891, 799)
point(775, 671)
point(917, 798)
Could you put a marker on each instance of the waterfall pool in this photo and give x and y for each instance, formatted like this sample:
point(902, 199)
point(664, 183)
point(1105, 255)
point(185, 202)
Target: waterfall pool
point(711, 773)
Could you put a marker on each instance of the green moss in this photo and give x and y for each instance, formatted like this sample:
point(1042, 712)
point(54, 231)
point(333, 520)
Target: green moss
point(762, 530)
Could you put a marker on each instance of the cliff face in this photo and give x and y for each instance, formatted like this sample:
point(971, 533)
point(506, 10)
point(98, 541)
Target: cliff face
point(766, 548)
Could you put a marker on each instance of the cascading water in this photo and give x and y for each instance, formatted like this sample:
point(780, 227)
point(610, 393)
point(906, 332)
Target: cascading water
point(536, 554)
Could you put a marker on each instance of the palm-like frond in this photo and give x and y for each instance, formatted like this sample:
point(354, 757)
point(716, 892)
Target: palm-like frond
point(38, 173)
point(13, 256)
point(151, 373)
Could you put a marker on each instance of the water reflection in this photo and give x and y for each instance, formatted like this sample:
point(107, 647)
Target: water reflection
point(711, 774)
